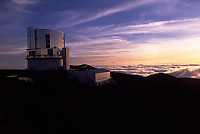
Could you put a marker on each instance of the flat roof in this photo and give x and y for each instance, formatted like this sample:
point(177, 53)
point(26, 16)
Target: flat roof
point(34, 27)
point(99, 70)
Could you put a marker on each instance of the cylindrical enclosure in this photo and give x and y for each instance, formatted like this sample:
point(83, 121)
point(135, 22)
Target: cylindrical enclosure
point(46, 50)
point(65, 56)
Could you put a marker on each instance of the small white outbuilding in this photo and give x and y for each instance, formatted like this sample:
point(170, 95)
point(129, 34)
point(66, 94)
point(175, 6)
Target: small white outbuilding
point(93, 77)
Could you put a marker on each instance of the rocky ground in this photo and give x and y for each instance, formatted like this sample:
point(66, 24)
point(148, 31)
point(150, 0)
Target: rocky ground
point(54, 103)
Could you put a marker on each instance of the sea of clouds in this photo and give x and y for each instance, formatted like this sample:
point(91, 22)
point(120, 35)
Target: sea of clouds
point(177, 70)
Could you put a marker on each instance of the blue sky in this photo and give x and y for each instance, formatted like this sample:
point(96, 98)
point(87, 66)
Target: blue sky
point(98, 32)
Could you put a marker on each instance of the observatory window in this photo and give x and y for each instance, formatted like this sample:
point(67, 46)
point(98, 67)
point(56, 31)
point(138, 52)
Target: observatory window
point(32, 53)
point(50, 52)
point(47, 41)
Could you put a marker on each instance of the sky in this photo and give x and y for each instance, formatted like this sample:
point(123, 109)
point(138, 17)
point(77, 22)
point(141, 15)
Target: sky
point(100, 32)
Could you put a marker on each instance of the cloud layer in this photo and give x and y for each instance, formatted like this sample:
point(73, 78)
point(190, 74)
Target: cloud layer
point(177, 70)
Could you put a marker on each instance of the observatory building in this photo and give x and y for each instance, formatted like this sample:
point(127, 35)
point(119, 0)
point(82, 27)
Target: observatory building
point(94, 77)
point(91, 76)
point(46, 50)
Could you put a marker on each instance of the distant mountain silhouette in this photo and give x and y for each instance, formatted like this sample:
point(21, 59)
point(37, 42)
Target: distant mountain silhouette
point(161, 76)
point(81, 67)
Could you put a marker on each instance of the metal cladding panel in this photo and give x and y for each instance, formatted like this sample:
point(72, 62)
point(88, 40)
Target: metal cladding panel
point(38, 52)
point(83, 76)
point(86, 76)
point(102, 76)
point(56, 38)
point(55, 51)
point(92, 76)
point(43, 51)
point(65, 56)
point(31, 37)
point(41, 38)
point(28, 38)
point(45, 64)
point(67, 59)
point(36, 38)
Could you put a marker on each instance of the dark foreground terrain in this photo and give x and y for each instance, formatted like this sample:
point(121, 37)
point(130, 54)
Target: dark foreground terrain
point(55, 103)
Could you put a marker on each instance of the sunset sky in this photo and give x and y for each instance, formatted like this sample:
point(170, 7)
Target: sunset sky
point(98, 32)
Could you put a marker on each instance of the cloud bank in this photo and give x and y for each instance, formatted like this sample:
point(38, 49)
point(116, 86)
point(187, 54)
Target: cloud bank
point(177, 70)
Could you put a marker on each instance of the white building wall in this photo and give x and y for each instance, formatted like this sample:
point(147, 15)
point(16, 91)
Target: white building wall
point(39, 41)
point(56, 38)
point(65, 55)
point(100, 77)
point(45, 64)
point(30, 38)
point(41, 37)
point(86, 76)
point(92, 77)
point(43, 51)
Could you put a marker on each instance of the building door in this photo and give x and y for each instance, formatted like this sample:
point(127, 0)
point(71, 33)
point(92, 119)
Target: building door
point(50, 52)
